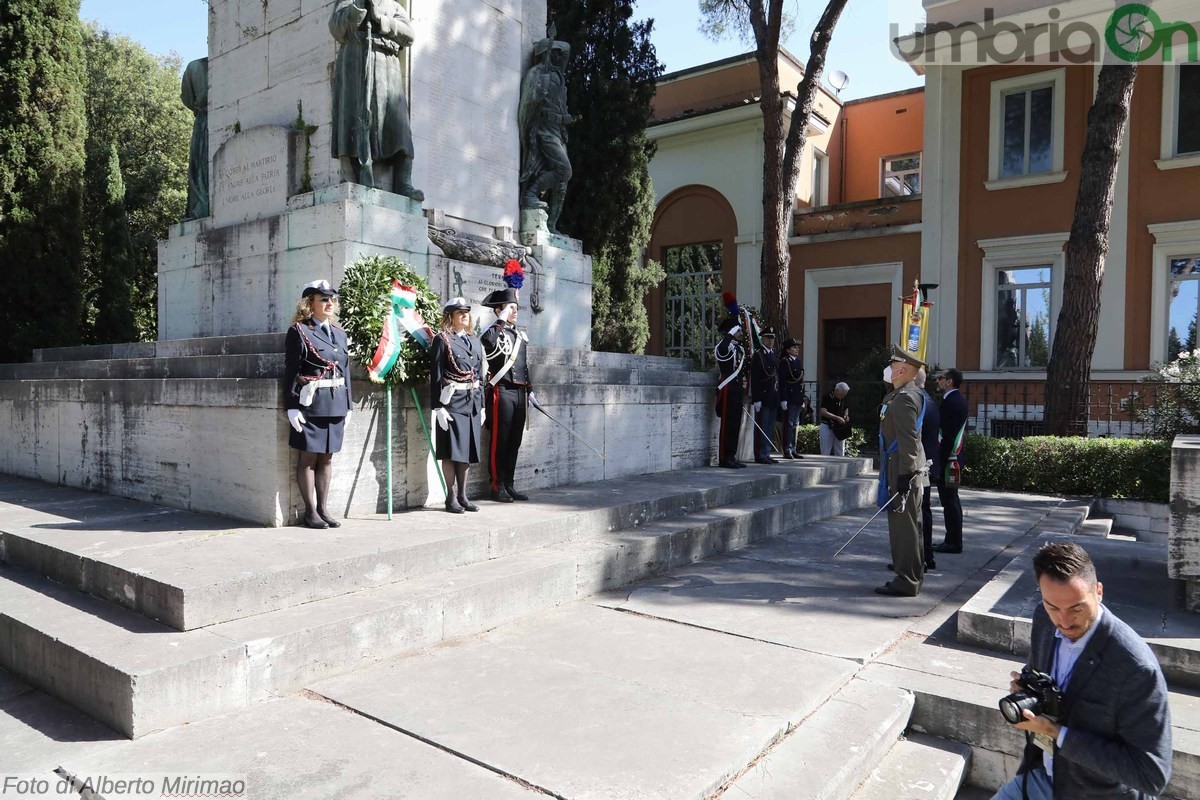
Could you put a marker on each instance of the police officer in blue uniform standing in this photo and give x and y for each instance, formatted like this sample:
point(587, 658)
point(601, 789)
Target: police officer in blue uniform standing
point(318, 400)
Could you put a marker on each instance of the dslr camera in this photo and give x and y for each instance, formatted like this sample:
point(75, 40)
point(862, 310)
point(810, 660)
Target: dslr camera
point(1039, 693)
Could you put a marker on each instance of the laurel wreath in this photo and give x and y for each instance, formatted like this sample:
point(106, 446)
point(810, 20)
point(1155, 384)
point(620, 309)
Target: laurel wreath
point(364, 297)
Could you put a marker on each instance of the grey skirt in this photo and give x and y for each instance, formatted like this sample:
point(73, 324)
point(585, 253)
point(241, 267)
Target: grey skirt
point(318, 435)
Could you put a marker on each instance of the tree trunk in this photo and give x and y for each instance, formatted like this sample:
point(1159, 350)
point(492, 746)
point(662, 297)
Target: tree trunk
point(781, 155)
point(1078, 321)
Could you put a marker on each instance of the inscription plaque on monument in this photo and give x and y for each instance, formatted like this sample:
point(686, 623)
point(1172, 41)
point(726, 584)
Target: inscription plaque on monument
point(474, 282)
point(254, 173)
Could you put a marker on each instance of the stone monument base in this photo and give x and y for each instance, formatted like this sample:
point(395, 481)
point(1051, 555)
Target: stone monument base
point(199, 424)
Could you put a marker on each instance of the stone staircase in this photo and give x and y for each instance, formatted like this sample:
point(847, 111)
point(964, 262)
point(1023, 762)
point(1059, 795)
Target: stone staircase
point(146, 617)
point(958, 681)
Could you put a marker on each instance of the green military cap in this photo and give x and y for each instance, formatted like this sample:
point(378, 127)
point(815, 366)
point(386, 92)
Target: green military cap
point(900, 354)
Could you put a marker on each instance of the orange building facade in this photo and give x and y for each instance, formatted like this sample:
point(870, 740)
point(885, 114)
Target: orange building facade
point(968, 183)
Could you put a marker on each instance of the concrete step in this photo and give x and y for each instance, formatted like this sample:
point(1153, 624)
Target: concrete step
point(191, 570)
point(918, 768)
point(860, 723)
point(999, 616)
point(137, 675)
point(1095, 527)
point(956, 693)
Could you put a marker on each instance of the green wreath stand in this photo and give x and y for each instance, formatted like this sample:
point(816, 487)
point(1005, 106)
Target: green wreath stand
point(365, 300)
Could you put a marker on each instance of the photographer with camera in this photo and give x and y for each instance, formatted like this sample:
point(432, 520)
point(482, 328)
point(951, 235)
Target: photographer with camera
point(1092, 699)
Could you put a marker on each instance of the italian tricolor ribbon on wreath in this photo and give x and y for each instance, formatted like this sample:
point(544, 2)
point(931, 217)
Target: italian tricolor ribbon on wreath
point(402, 315)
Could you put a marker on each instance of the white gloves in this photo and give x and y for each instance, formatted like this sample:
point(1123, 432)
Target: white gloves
point(442, 417)
point(533, 399)
point(348, 413)
point(482, 415)
point(783, 405)
point(296, 419)
point(758, 407)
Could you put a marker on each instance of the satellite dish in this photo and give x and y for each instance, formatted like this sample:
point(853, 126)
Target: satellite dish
point(838, 80)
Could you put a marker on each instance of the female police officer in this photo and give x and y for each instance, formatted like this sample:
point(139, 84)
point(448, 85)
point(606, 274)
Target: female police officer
point(317, 381)
point(456, 394)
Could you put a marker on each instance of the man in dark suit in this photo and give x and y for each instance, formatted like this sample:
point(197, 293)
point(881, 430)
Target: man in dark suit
point(951, 458)
point(1113, 737)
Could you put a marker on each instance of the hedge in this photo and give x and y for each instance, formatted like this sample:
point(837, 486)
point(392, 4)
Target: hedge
point(1134, 469)
point(808, 440)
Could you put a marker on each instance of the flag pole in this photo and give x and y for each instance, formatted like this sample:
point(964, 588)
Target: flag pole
point(389, 450)
point(429, 439)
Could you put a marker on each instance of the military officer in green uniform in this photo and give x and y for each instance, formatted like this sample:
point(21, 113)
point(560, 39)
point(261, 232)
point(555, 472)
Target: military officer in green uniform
point(903, 473)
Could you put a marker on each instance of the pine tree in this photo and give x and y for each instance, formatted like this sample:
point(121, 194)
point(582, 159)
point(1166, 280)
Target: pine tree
point(114, 291)
point(610, 201)
point(42, 129)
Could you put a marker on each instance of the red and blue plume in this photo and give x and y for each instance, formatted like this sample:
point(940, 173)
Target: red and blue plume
point(730, 303)
point(514, 276)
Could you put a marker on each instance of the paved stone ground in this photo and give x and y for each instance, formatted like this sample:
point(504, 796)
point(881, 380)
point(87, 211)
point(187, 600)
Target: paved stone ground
point(672, 688)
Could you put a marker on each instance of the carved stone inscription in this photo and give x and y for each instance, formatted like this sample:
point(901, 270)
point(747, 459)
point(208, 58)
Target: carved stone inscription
point(254, 174)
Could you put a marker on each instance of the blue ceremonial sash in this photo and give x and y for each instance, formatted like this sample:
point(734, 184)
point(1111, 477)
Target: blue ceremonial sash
point(882, 495)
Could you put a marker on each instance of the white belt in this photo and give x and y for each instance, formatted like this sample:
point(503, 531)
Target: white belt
point(309, 390)
point(450, 387)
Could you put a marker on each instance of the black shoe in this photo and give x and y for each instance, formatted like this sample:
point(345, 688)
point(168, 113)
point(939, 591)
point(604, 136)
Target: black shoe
point(501, 496)
point(514, 494)
point(729, 465)
point(313, 521)
point(887, 591)
point(788, 456)
point(466, 504)
point(945, 548)
point(330, 521)
point(453, 507)
point(740, 464)
point(930, 566)
point(764, 461)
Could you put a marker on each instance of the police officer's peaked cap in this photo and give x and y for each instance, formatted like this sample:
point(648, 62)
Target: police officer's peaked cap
point(318, 287)
point(767, 331)
point(790, 343)
point(500, 298)
point(456, 304)
point(900, 354)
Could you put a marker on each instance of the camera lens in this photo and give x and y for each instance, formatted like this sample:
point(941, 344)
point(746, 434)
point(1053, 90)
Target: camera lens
point(1012, 706)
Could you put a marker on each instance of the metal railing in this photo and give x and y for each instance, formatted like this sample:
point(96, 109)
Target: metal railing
point(692, 311)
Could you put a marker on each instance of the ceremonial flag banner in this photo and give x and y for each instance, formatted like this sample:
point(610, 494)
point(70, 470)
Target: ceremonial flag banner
point(388, 351)
point(914, 331)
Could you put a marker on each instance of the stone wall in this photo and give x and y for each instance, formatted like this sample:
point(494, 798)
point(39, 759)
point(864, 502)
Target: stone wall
point(1183, 542)
point(200, 425)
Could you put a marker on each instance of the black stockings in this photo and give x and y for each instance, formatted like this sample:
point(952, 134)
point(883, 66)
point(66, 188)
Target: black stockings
point(313, 473)
point(455, 471)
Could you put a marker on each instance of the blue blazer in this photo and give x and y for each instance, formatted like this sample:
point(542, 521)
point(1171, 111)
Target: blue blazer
point(930, 427)
point(1119, 738)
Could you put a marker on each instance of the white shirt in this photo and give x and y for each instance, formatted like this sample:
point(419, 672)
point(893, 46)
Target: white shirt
point(1066, 654)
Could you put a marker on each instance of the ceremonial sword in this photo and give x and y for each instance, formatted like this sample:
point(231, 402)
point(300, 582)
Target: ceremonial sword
point(536, 404)
point(770, 439)
point(864, 527)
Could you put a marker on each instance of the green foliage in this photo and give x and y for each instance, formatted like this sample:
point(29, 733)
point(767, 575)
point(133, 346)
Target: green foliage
point(133, 103)
point(610, 200)
point(808, 440)
point(364, 300)
point(113, 296)
point(723, 19)
point(1135, 469)
point(1171, 403)
point(42, 128)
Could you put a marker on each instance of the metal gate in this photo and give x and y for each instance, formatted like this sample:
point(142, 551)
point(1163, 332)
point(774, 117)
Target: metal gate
point(693, 301)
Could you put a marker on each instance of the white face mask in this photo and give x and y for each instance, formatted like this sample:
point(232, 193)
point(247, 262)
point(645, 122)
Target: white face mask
point(887, 374)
